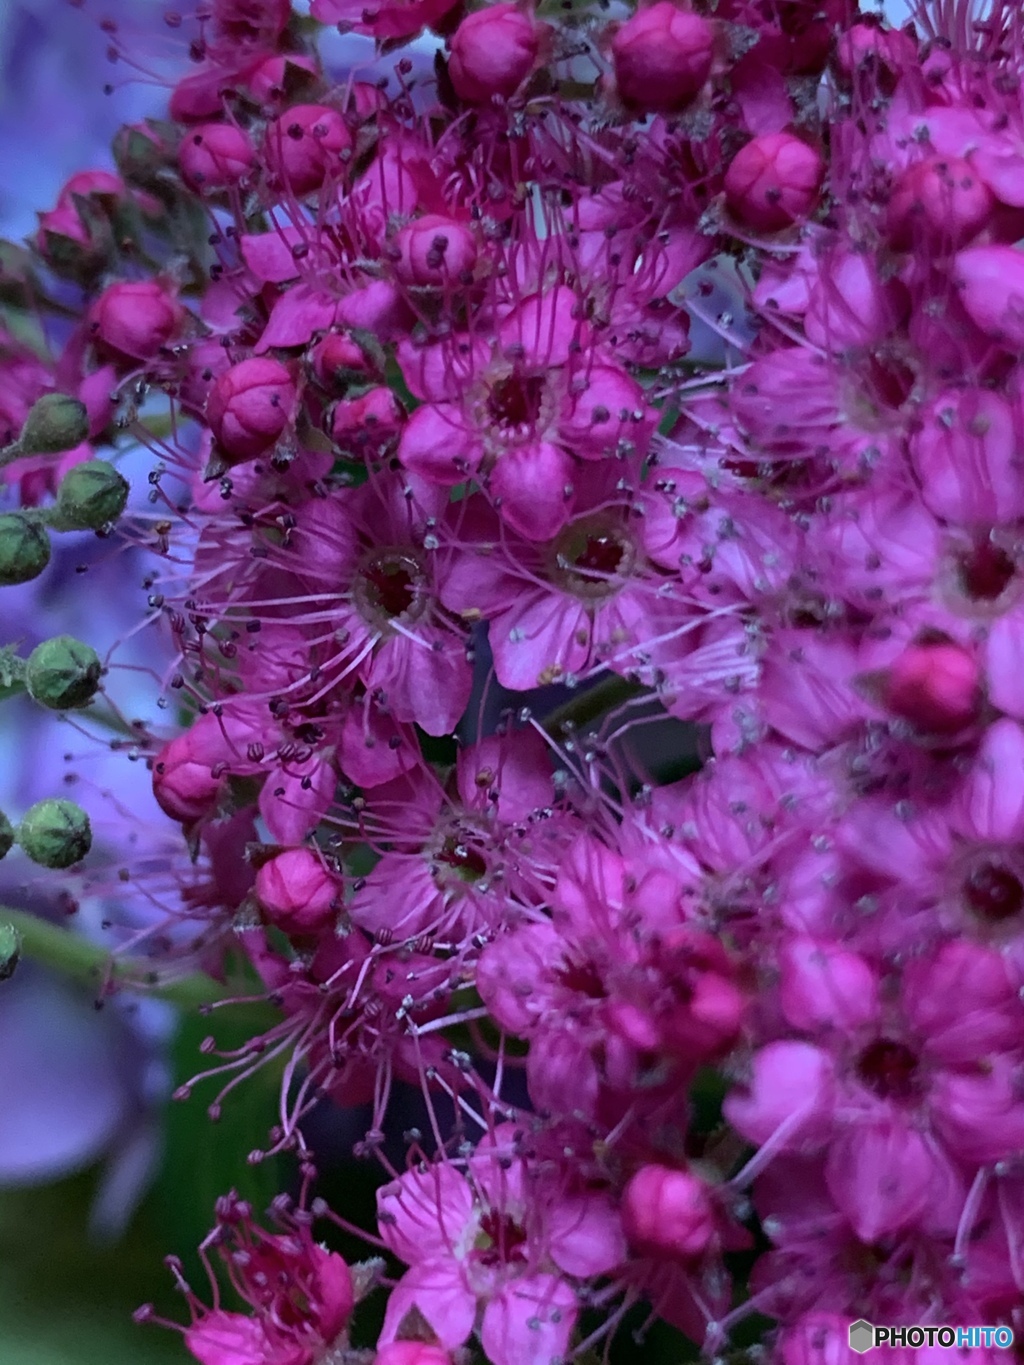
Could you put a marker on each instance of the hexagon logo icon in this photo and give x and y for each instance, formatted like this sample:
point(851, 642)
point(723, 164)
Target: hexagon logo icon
point(862, 1336)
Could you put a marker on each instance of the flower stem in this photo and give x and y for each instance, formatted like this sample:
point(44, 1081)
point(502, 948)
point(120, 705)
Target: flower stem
point(92, 965)
point(588, 705)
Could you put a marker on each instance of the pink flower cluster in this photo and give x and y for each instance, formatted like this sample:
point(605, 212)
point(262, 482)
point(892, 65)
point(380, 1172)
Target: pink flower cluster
point(437, 430)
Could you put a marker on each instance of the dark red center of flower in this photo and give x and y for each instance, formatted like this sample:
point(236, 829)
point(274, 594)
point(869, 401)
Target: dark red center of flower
point(388, 586)
point(601, 556)
point(515, 401)
point(985, 571)
point(503, 1239)
point(467, 861)
point(582, 978)
point(993, 892)
point(592, 557)
point(888, 1068)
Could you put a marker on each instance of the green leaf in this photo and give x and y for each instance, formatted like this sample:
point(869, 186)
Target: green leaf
point(204, 1159)
point(65, 1300)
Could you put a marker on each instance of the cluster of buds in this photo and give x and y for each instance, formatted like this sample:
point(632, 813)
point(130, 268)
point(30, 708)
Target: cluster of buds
point(439, 437)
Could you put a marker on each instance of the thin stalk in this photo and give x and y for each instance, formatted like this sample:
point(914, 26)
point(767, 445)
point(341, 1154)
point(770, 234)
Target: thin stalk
point(91, 964)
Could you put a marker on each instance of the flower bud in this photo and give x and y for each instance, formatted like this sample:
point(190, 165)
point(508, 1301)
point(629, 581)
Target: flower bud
point(133, 320)
point(886, 53)
point(492, 53)
point(773, 182)
point(140, 154)
point(24, 549)
point(306, 146)
point(215, 156)
point(667, 1212)
point(434, 249)
point(297, 892)
point(55, 423)
point(63, 673)
point(90, 496)
point(337, 359)
point(10, 950)
point(662, 58)
point(183, 783)
point(940, 200)
point(281, 75)
point(6, 835)
point(366, 422)
point(55, 833)
point(249, 407)
point(934, 686)
point(75, 235)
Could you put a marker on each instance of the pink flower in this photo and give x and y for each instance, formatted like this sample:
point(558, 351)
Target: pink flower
point(484, 1239)
point(461, 861)
point(301, 1295)
point(379, 579)
point(563, 611)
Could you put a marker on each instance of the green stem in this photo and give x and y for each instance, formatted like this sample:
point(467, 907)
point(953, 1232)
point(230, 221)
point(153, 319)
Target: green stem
point(590, 704)
point(80, 960)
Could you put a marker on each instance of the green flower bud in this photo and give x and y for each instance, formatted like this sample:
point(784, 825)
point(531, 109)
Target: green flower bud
point(63, 673)
point(10, 950)
point(55, 833)
point(24, 548)
point(55, 423)
point(89, 497)
point(6, 835)
point(139, 156)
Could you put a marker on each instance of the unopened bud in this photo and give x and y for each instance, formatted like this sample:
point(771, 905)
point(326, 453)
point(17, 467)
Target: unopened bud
point(63, 673)
point(56, 422)
point(667, 1212)
point(55, 833)
point(139, 154)
point(10, 951)
point(90, 496)
point(6, 835)
point(24, 549)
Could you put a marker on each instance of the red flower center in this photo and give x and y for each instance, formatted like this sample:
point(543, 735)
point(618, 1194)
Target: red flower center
point(501, 1239)
point(592, 558)
point(390, 587)
point(889, 1069)
point(514, 402)
point(993, 892)
point(985, 571)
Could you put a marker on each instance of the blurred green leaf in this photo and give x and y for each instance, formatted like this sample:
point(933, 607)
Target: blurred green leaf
point(204, 1159)
point(64, 1300)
